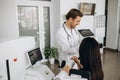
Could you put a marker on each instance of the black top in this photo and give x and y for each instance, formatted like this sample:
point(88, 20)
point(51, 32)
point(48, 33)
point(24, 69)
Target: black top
point(82, 72)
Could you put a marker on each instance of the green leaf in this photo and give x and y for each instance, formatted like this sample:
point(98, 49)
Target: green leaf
point(51, 52)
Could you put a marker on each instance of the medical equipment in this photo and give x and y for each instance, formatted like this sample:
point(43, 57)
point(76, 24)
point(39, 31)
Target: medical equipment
point(37, 70)
point(34, 56)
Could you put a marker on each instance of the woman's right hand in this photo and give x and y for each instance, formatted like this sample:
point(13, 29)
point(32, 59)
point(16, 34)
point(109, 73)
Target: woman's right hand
point(66, 68)
point(75, 59)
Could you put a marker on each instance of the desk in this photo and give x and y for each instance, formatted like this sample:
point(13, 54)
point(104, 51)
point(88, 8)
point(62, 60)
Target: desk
point(56, 71)
point(53, 67)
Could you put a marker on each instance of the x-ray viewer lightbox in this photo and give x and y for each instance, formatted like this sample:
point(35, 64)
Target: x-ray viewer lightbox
point(86, 32)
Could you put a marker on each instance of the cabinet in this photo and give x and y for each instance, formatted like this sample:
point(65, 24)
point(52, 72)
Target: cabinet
point(113, 23)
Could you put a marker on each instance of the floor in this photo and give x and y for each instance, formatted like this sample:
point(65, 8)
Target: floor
point(111, 65)
point(110, 62)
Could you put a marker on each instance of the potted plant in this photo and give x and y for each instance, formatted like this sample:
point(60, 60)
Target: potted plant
point(51, 54)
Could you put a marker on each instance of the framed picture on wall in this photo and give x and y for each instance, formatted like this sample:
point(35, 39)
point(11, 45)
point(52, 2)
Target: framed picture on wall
point(87, 8)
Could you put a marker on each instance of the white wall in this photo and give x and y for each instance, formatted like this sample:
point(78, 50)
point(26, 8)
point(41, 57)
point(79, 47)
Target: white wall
point(100, 7)
point(8, 20)
point(66, 5)
point(15, 49)
point(55, 19)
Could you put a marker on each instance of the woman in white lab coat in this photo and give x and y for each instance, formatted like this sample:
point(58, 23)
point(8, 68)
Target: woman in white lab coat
point(67, 37)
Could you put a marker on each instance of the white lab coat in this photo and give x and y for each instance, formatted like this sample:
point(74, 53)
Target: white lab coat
point(67, 45)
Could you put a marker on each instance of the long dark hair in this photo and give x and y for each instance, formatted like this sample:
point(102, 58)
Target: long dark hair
point(89, 53)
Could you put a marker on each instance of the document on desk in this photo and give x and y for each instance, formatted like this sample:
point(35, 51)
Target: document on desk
point(64, 76)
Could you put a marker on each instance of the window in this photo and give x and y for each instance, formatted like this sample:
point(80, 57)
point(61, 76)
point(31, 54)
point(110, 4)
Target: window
point(34, 20)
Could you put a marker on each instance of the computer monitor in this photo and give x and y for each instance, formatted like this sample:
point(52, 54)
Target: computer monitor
point(86, 32)
point(34, 55)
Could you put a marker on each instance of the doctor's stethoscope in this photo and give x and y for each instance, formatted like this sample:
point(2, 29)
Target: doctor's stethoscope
point(68, 36)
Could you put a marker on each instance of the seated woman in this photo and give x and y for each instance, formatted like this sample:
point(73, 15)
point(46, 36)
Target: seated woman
point(89, 64)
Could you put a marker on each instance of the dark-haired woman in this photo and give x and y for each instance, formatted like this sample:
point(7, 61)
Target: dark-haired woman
point(90, 60)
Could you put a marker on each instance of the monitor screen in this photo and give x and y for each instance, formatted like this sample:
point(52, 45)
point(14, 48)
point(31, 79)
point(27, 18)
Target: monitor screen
point(86, 32)
point(34, 55)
